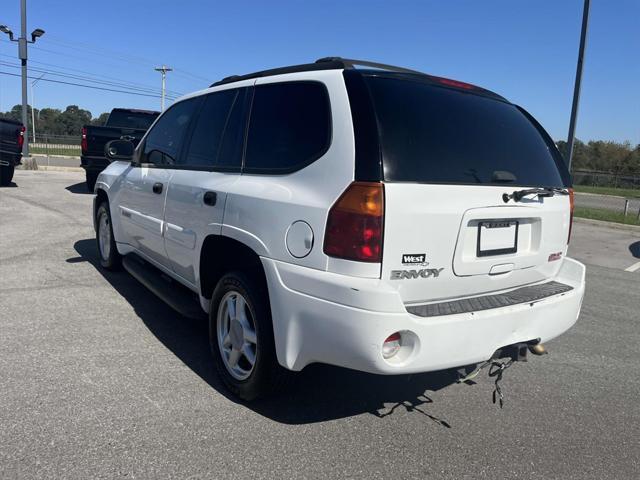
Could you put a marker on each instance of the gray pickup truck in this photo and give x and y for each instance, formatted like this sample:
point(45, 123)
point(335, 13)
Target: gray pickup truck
point(11, 141)
point(122, 124)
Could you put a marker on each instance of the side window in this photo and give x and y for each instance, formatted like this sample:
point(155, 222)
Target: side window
point(290, 126)
point(163, 142)
point(218, 133)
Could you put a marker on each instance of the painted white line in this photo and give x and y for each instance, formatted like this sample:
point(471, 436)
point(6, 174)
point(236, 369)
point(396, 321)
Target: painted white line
point(633, 268)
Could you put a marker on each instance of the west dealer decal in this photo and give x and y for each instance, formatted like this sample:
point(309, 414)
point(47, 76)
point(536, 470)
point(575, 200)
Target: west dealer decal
point(415, 259)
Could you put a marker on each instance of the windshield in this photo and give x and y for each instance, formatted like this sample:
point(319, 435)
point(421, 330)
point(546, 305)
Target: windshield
point(137, 120)
point(433, 134)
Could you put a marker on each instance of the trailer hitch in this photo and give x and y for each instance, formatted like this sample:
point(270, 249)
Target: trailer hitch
point(502, 359)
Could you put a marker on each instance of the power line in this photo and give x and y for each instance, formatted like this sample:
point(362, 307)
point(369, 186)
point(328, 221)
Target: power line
point(133, 60)
point(99, 76)
point(85, 86)
point(79, 45)
point(88, 79)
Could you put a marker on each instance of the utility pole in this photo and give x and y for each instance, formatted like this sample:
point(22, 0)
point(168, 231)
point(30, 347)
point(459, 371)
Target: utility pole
point(163, 69)
point(33, 106)
point(22, 55)
point(576, 88)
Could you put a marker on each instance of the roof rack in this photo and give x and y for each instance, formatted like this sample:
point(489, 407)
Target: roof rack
point(326, 63)
point(351, 63)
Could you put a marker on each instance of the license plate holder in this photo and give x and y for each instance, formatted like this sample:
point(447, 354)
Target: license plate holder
point(497, 237)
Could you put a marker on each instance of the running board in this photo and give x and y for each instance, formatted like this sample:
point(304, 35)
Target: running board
point(528, 294)
point(178, 297)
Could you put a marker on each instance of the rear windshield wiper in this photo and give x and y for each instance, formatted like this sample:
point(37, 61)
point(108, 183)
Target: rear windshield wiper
point(540, 192)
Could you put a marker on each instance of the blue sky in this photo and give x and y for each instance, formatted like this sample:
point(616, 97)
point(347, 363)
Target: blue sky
point(524, 50)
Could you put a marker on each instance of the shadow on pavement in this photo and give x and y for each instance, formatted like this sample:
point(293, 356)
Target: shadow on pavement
point(319, 393)
point(634, 248)
point(79, 188)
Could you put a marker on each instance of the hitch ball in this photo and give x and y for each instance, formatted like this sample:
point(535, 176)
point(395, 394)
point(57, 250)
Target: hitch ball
point(538, 349)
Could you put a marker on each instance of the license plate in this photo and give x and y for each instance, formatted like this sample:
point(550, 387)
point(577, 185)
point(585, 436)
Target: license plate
point(497, 237)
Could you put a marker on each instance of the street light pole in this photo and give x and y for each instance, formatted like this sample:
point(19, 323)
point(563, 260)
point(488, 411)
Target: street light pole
point(22, 55)
point(163, 69)
point(576, 88)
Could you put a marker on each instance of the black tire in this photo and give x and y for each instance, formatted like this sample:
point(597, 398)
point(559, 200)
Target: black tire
point(267, 375)
point(6, 174)
point(91, 180)
point(109, 257)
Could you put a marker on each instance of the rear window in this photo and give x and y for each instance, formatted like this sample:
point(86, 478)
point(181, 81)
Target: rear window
point(137, 120)
point(433, 134)
point(290, 127)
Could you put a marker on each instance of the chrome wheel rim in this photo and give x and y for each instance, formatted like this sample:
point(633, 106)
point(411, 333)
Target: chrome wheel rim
point(104, 236)
point(236, 330)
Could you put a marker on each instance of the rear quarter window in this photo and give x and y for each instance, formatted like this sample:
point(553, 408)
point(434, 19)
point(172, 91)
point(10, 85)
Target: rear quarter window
point(432, 134)
point(290, 127)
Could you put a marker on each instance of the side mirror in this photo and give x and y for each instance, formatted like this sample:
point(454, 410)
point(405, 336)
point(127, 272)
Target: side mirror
point(119, 150)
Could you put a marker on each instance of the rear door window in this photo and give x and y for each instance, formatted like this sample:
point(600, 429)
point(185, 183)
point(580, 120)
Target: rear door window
point(290, 127)
point(218, 132)
point(433, 134)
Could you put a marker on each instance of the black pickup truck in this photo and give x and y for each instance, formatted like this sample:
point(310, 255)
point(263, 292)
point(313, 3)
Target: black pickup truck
point(11, 141)
point(123, 123)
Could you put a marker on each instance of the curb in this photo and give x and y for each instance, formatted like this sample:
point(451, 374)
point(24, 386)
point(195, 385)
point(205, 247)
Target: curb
point(602, 223)
point(54, 168)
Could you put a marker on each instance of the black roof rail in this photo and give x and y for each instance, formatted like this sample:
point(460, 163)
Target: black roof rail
point(307, 67)
point(351, 63)
point(326, 63)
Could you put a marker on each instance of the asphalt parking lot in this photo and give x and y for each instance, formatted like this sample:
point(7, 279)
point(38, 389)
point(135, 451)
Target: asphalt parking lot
point(99, 379)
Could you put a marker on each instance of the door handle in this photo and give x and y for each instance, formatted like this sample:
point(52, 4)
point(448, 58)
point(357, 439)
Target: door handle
point(210, 198)
point(157, 187)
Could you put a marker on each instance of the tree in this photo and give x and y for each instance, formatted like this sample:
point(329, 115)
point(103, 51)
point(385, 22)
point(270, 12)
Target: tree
point(100, 120)
point(73, 118)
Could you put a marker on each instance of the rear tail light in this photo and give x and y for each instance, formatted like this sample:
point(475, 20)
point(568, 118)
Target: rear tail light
point(355, 222)
point(454, 83)
point(21, 136)
point(83, 143)
point(571, 205)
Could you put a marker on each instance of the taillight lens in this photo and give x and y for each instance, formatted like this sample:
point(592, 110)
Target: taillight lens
point(355, 223)
point(571, 205)
point(83, 143)
point(21, 136)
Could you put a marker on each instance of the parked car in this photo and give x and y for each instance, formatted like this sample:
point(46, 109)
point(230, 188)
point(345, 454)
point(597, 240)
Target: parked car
point(122, 123)
point(378, 219)
point(11, 141)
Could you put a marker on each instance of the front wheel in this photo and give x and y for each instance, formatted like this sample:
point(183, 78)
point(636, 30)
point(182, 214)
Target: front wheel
point(241, 337)
point(107, 250)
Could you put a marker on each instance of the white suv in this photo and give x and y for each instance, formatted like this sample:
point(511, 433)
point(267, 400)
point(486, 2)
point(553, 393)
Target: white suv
point(373, 218)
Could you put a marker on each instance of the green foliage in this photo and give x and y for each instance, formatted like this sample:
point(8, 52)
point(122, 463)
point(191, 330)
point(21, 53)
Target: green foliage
point(54, 121)
point(604, 156)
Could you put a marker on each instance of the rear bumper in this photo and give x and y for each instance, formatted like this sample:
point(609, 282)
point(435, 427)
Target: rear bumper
point(94, 164)
point(345, 321)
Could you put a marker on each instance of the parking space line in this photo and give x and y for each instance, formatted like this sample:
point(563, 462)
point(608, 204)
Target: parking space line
point(633, 268)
